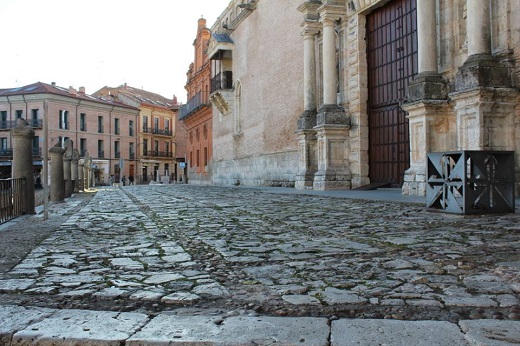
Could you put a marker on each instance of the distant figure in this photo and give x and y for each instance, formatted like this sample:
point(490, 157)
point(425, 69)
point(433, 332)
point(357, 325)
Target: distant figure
point(123, 180)
point(131, 180)
point(111, 180)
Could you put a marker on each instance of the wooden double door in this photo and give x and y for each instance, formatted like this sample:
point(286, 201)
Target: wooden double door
point(392, 62)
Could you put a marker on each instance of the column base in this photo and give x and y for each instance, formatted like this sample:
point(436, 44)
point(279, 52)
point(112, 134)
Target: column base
point(482, 70)
point(304, 181)
point(331, 180)
point(427, 86)
point(307, 120)
point(332, 115)
point(414, 182)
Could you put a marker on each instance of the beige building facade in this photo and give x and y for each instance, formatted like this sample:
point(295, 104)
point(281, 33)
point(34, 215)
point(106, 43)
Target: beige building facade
point(97, 126)
point(257, 58)
point(154, 153)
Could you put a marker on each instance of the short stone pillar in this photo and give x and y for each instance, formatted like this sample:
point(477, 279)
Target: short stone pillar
point(74, 170)
point(86, 171)
point(67, 164)
point(22, 167)
point(57, 181)
point(81, 175)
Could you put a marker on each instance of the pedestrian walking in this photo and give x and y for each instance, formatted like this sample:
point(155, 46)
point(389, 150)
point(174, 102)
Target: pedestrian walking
point(131, 180)
point(124, 180)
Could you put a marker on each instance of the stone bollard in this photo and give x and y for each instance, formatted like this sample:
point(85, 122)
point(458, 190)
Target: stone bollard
point(74, 170)
point(22, 167)
point(67, 163)
point(57, 181)
point(81, 176)
point(86, 171)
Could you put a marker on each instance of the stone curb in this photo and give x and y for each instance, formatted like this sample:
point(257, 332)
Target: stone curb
point(20, 326)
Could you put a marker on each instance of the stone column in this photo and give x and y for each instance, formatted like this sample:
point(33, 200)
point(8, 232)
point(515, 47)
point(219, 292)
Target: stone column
point(86, 171)
point(330, 80)
point(430, 118)
point(67, 167)
point(74, 170)
point(478, 27)
point(307, 153)
point(57, 180)
point(332, 123)
point(22, 136)
point(81, 175)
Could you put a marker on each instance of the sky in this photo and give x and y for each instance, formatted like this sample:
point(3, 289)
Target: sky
point(147, 44)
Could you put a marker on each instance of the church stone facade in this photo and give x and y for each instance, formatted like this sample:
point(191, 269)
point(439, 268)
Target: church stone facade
point(327, 94)
point(387, 82)
point(257, 60)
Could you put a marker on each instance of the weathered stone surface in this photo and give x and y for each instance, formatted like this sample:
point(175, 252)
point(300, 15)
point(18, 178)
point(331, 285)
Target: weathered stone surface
point(15, 318)
point(80, 327)
point(491, 332)
point(390, 332)
point(198, 330)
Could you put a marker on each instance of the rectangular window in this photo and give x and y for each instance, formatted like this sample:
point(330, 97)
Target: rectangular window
point(100, 124)
point(191, 158)
point(156, 148)
point(82, 146)
point(166, 169)
point(3, 146)
point(198, 158)
point(19, 114)
point(145, 124)
point(205, 156)
point(167, 126)
point(167, 148)
point(145, 147)
point(131, 151)
point(83, 122)
point(156, 125)
point(36, 146)
point(62, 141)
point(116, 126)
point(101, 149)
point(117, 149)
point(64, 120)
point(34, 118)
point(131, 128)
point(3, 119)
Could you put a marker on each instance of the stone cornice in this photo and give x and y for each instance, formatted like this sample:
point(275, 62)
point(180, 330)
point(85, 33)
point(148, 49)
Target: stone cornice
point(332, 10)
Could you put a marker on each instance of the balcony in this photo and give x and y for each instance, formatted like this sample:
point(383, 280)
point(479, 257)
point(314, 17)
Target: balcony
point(132, 156)
point(158, 154)
point(195, 103)
point(165, 132)
point(8, 152)
point(222, 81)
point(9, 124)
point(117, 154)
point(101, 154)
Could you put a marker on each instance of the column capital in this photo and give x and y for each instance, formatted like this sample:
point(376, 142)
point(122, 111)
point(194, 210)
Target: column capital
point(332, 10)
point(310, 28)
point(310, 10)
point(22, 129)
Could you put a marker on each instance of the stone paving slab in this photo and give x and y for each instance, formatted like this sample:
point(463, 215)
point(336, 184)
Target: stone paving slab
point(207, 330)
point(80, 327)
point(396, 333)
point(15, 318)
point(491, 332)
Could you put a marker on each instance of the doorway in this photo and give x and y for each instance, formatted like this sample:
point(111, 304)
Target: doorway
point(392, 63)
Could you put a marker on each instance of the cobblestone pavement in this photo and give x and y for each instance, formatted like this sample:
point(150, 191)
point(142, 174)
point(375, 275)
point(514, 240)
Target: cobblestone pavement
point(205, 250)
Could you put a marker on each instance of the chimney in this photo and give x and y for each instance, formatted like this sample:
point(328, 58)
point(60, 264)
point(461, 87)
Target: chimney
point(82, 90)
point(202, 23)
point(53, 83)
point(72, 91)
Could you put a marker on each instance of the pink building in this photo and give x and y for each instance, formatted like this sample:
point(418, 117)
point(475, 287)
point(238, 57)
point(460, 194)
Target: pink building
point(104, 128)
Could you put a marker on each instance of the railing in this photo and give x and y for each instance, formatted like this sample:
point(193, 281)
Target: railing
point(132, 156)
point(37, 151)
point(10, 124)
point(11, 198)
point(7, 152)
point(222, 81)
point(117, 154)
point(197, 101)
point(155, 153)
point(164, 132)
point(101, 154)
